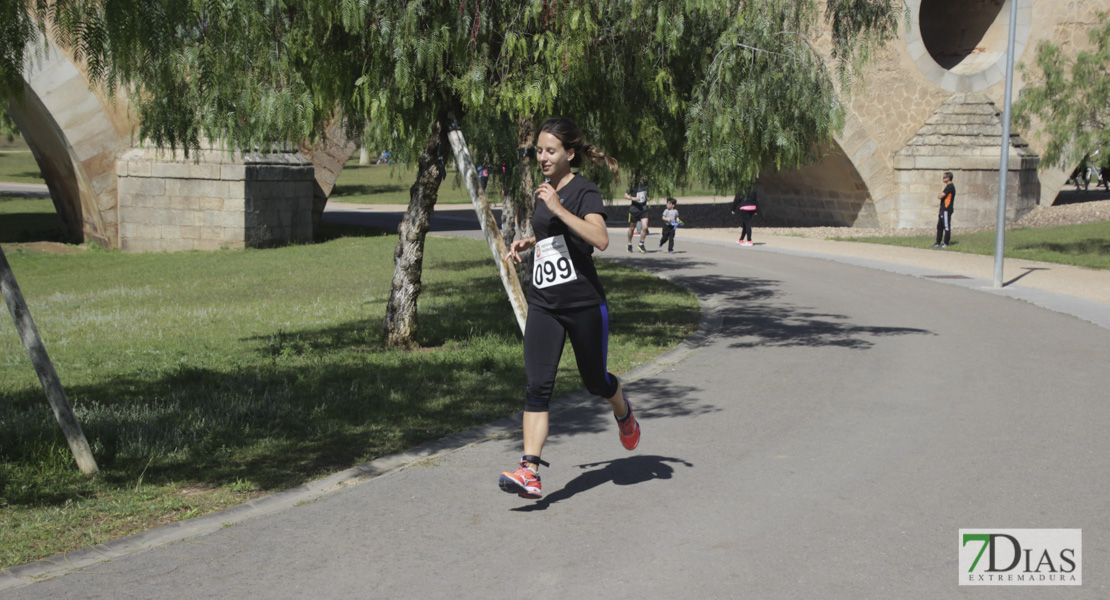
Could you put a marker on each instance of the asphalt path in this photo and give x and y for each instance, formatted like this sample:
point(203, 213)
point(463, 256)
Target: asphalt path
point(825, 434)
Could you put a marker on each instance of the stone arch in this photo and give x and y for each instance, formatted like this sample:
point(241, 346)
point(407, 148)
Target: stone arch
point(76, 136)
point(830, 192)
point(960, 45)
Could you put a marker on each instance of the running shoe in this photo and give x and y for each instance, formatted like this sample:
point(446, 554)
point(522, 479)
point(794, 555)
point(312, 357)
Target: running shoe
point(523, 482)
point(630, 247)
point(629, 429)
point(642, 249)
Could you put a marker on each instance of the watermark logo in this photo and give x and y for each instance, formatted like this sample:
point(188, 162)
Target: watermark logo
point(1021, 557)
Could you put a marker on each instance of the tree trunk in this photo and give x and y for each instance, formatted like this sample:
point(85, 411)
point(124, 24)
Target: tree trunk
point(55, 394)
point(363, 156)
point(497, 247)
point(525, 192)
point(408, 258)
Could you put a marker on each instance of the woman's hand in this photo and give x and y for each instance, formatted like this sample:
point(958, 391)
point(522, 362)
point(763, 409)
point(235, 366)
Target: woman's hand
point(517, 247)
point(546, 193)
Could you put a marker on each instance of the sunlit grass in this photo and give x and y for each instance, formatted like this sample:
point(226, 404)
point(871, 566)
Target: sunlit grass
point(203, 379)
point(1086, 245)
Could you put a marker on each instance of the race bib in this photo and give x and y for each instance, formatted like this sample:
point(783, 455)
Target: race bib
point(552, 263)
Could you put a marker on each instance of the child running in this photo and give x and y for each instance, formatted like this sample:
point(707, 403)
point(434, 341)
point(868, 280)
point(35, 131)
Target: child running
point(670, 223)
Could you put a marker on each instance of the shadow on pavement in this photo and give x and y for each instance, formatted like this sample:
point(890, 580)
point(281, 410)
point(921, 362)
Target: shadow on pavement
point(622, 471)
point(751, 316)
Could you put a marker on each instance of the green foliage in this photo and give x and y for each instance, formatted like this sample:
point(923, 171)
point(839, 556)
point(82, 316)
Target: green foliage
point(708, 90)
point(8, 130)
point(18, 29)
point(1071, 97)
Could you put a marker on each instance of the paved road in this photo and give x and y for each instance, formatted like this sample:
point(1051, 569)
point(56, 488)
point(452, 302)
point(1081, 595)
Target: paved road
point(825, 435)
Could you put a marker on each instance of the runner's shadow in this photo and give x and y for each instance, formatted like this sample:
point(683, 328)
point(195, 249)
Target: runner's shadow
point(622, 471)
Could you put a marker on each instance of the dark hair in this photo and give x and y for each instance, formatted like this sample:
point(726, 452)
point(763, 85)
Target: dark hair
point(672, 200)
point(571, 137)
point(948, 174)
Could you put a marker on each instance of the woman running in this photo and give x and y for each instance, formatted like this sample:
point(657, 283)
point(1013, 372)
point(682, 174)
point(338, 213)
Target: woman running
point(566, 298)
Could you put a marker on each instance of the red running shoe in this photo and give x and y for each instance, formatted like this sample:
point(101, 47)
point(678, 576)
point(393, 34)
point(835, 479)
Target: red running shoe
point(523, 482)
point(629, 429)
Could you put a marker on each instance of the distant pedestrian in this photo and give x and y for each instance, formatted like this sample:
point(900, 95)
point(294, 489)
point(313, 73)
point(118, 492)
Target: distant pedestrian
point(483, 176)
point(637, 211)
point(670, 224)
point(746, 203)
point(947, 207)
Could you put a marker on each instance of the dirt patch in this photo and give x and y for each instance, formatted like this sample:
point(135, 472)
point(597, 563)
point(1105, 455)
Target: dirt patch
point(45, 247)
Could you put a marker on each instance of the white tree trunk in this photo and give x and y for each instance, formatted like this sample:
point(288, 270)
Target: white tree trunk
point(55, 395)
point(363, 156)
point(497, 246)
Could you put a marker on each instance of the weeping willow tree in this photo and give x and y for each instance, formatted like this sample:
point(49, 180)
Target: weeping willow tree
point(710, 90)
point(1071, 98)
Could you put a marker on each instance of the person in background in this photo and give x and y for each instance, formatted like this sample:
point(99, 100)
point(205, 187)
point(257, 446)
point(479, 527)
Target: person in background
point(746, 203)
point(637, 212)
point(670, 223)
point(947, 199)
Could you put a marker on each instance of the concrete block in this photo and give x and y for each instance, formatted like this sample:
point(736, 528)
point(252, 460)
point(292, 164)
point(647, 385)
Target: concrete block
point(177, 244)
point(208, 245)
point(149, 187)
point(234, 172)
point(205, 188)
point(233, 235)
point(204, 171)
point(141, 245)
point(170, 170)
point(147, 231)
point(211, 204)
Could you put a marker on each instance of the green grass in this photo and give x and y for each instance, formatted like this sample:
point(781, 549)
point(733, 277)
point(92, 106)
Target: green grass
point(24, 219)
point(383, 184)
point(1086, 245)
point(19, 167)
point(205, 379)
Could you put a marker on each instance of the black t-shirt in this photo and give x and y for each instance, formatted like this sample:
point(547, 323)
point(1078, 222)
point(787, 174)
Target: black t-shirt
point(948, 203)
point(581, 197)
point(639, 205)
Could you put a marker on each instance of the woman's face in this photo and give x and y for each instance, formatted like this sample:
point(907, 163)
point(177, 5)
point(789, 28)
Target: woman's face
point(553, 158)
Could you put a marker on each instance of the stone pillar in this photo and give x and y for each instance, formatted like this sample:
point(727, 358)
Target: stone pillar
point(963, 136)
point(213, 200)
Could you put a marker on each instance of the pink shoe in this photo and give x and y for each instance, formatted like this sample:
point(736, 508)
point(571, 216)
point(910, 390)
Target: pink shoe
point(629, 429)
point(523, 482)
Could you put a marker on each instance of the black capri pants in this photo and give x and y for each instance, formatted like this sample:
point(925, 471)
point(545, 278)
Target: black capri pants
point(544, 335)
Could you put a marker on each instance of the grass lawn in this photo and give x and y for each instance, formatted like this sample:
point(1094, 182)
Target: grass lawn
point(383, 184)
point(1086, 245)
point(24, 219)
point(19, 167)
point(204, 379)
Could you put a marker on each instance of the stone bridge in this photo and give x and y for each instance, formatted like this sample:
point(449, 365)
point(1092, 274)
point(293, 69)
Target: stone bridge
point(929, 103)
point(110, 190)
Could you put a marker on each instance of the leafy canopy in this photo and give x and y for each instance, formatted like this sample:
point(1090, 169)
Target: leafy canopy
point(712, 90)
point(1071, 97)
